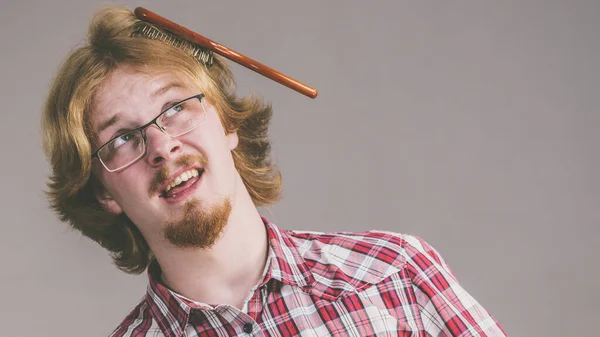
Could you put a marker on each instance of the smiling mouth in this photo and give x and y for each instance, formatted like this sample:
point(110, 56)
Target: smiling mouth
point(181, 183)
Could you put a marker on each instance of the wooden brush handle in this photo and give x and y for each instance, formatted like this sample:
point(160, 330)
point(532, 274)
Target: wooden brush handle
point(155, 19)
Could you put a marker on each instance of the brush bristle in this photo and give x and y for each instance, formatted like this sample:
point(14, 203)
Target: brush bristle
point(143, 29)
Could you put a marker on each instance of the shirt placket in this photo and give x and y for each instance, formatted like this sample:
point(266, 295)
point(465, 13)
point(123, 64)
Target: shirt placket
point(242, 323)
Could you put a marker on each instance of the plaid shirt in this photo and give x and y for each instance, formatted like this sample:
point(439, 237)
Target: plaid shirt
point(343, 284)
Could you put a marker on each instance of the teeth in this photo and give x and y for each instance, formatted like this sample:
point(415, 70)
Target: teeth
point(185, 176)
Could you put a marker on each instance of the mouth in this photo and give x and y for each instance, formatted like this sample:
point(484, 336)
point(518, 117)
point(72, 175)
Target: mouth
point(182, 184)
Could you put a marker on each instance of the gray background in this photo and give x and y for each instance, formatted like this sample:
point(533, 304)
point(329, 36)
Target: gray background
point(473, 124)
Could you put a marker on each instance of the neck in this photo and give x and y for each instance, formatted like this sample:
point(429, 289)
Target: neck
point(225, 273)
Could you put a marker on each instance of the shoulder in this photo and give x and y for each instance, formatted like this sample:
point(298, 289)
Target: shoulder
point(388, 247)
point(422, 258)
point(352, 261)
point(376, 243)
point(138, 322)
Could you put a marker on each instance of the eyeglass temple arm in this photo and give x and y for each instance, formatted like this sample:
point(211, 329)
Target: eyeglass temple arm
point(153, 18)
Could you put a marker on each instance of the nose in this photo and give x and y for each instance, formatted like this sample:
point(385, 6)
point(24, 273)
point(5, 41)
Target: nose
point(160, 146)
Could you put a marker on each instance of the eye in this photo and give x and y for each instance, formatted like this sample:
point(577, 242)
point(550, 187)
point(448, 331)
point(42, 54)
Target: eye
point(121, 140)
point(172, 111)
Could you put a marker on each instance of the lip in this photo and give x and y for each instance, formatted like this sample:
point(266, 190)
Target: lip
point(176, 174)
point(185, 193)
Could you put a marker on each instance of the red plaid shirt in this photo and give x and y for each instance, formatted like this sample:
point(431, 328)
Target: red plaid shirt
point(343, 284)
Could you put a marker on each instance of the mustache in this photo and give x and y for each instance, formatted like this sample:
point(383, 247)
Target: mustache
point(160, 178)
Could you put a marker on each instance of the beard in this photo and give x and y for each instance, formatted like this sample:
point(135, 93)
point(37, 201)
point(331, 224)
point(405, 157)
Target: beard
point(199, 226)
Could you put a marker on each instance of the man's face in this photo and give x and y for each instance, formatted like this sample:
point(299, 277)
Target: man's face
point(198, 206)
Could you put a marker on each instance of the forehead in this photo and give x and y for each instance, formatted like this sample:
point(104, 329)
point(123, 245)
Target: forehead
point(127, 83)
point(129, 89)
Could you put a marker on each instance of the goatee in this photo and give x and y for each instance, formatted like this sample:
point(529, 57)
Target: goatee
point(199, 226)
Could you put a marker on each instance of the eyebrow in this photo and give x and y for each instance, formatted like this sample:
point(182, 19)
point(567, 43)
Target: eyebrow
point(109, 123)
point(164, 89)
point(160, 91)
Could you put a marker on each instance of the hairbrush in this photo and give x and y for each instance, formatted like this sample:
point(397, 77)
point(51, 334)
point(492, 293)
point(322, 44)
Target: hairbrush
point(202, 48)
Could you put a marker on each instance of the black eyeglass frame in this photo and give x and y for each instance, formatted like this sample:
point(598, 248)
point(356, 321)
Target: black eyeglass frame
point(144, 127)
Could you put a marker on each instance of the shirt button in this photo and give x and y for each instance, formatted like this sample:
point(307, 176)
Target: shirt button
point(248, 328)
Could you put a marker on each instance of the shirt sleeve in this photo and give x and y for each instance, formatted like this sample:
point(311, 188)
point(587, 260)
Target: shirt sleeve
point(446, 309)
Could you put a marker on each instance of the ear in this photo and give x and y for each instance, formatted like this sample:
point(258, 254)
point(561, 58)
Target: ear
point(232, 140)
point(105, 199)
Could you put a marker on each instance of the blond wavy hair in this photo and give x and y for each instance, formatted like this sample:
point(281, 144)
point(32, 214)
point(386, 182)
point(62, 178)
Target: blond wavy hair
point(69, 139)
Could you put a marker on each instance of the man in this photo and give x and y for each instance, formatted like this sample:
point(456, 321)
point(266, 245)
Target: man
point(155, 158)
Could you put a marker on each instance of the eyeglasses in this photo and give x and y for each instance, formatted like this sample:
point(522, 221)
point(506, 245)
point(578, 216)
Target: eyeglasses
point(124, 149)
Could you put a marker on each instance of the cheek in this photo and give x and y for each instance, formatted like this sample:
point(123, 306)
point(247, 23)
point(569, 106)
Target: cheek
point(200, 140)
point(124, 187)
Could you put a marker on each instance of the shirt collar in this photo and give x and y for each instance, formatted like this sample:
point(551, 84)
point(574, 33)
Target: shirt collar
point(172, 310)
point(286, 262)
